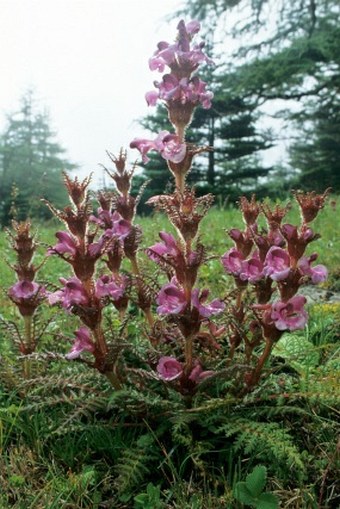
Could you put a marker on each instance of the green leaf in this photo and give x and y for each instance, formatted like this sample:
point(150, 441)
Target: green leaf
point(145, 440)
point(256, 480)
point(153, 491)
point(242, 494)
point(87, 476)
point(267, 501)
point(150, 499)
point(125, 497)
point(141, 500)
point(300, 353)
point(17, 480)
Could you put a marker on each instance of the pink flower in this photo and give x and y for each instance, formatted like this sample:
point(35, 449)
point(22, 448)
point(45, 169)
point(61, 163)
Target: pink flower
point(109, 286)
point(275, 238)
point(27, 295)
point(162, 57)
point(289, 315)
point(144, 146)
point(168, 145)
point(168, 247)
point(169, 89)
point(289, 231)
point(235, 234)
point(251, 270)
point(193, 27)
point(232, 261)
point(82, 343)
point(169, 368)
point(118, 229)
point(277, 264)
point(180, 54)
point(244, 241)
point(183, 90)
point(205, 311)
point(72, 294)
point(197, 374)
point(171, 299)
point(235, 264)
point(317, 274)
point(104, 218)
point(66, 244)
point(173, 149)
point(95, 249)
point(197, 93)
point(152, 97)
point(112, 222)
point(24, 290)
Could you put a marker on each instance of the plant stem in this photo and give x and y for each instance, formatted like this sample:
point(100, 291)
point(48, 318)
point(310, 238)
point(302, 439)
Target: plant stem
point(231, 354)
point(100, 340)
point(188, 353)
point(112, 377)
point(149, 317)
point(29, 346)
point(88, 285)
point(134, 266)
point(239, 299)
point(28, 333)
point(261, 361)
point(180, 131)
point(180, 182)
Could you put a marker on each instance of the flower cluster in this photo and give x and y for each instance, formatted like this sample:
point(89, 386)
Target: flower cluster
point(106, 235)
point(274, 256)
point(181, 92)
point(26, 293)
point(273, 265)
point(92, 241)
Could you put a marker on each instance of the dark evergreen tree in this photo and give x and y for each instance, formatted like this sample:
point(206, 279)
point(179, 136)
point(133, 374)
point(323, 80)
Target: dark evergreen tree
point(292, 54)
point(229, 127)
point(31, 164)
point(316, 153)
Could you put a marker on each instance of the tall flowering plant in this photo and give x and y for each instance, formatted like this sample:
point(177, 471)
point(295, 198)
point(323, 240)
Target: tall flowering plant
point(26, 293)
point(268, 265)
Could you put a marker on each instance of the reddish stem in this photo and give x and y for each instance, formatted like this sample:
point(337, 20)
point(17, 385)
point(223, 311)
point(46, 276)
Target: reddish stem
point(180, 182)
point(188, 354)
point(29, 344)
point(260, 363)
point(100, 341)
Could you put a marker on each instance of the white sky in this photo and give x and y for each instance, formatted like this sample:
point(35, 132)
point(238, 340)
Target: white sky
point(88, 62)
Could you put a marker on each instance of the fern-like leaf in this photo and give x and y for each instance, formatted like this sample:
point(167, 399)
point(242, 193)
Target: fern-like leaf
point(135, 463)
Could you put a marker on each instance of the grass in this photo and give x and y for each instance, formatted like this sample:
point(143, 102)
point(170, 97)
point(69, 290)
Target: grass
point(67, 441)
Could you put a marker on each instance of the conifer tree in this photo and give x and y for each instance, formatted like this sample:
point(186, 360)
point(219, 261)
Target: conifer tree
point(31, 163)
point(288, 60)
